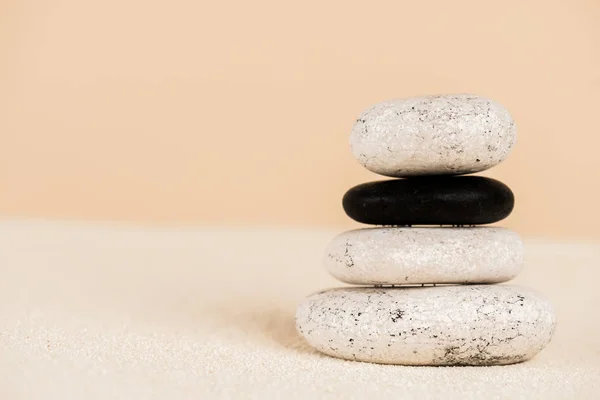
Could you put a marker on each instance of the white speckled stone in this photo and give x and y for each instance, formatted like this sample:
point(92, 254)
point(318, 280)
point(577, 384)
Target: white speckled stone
point(396, 256)
point(446, 134)
point(443, 325)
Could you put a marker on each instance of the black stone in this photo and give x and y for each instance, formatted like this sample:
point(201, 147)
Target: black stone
point(440, 200)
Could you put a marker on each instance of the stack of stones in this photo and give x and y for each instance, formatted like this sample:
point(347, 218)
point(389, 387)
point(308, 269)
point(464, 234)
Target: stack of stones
point(458, 318)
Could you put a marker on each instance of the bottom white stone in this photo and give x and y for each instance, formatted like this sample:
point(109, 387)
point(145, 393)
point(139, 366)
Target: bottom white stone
point(443, 325)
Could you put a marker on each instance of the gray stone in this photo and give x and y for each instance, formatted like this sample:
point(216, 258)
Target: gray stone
point(386, 256)
point(443, 325)
point(445, 134)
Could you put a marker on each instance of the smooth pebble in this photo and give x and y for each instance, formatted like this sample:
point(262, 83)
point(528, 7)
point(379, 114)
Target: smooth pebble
point(433, 135)
point(386, 256)
point(457, 200)
point(443, 325)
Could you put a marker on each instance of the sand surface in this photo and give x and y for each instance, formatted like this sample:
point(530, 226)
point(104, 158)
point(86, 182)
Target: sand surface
point(97, 312)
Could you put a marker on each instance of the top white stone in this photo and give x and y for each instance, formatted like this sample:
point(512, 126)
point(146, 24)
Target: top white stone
point(433, 135)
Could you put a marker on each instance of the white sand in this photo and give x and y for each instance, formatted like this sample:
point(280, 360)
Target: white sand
point(99, 312)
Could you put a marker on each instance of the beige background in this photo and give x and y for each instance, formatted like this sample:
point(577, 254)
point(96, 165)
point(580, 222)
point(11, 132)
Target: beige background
point(239, 112)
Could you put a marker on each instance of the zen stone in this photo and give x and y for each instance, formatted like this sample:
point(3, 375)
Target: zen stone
point(443, 325)
point(464, 200)
point(398, 256)
point(433, 135)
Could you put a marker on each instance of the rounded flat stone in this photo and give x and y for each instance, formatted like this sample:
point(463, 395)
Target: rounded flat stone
point(443, 325)
point(433, 135)
point(397, 256)
point(440, 200)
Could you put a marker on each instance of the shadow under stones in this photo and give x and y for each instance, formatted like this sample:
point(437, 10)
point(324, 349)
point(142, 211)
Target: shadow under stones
point(263, 324)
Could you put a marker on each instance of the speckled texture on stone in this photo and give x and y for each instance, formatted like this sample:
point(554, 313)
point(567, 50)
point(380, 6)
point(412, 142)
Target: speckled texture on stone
point(425, 255)
point(445, 134)
point(443, 325)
